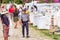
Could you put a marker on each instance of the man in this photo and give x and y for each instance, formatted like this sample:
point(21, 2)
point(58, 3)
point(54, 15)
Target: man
point(24, 22)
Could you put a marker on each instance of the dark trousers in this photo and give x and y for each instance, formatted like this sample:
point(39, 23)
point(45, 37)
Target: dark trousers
point(25, 25)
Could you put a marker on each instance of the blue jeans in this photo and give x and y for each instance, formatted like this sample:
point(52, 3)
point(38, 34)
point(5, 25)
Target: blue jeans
point(25, 25)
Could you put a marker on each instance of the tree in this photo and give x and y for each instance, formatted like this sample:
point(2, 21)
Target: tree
point(6, 1)
point(19, 1)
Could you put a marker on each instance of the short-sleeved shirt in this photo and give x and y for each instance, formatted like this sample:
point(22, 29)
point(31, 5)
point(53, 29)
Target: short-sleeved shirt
point(11, 10)
point(16, 13)
point(24, 17)
point(5, 19)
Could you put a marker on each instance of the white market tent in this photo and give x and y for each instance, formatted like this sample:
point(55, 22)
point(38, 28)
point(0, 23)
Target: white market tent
point(44, 22)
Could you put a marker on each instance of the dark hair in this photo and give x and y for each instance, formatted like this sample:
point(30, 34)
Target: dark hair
point(2, 15)
point(16, 9)
point(32, 8)
point(35, 7)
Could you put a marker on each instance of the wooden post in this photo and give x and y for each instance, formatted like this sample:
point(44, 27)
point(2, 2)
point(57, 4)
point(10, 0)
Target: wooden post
point(52, 24)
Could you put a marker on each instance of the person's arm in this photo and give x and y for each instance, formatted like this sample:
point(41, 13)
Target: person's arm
point(20, 20)
point(28, 19)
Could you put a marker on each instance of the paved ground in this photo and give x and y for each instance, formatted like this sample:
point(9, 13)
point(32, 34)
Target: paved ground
point(17, 35)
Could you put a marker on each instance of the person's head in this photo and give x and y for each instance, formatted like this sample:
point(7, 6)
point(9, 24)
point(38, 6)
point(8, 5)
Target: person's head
point(2, 6)
point(20, 7)
point(11, 6)
point(27, 7)
point(32, 9)
point(24, 11)
point(16, 9)
point(35, 7)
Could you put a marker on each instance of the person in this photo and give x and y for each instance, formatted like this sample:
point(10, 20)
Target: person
point(0, 10)
point(5, 23)
point(31, 15)
point(20, 10)
point(15, 15)
point(35, 12)
point(24, 19)
point(11, 10)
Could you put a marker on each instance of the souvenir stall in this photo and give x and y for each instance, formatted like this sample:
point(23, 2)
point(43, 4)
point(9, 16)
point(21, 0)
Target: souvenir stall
point(50, 9)
point(43, 19)
point(44, 13)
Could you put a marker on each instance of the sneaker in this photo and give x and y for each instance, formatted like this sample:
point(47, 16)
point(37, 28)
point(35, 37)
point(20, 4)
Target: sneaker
point(27, 36)
point(8, 35)
point(23, 36)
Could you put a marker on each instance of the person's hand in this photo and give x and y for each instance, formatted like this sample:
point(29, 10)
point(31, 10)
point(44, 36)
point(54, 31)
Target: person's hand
point(21, 24)
point(29, 23)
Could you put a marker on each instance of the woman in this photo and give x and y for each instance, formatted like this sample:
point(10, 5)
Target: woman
point(15, 15)
point(5, 23)
point(11, 10)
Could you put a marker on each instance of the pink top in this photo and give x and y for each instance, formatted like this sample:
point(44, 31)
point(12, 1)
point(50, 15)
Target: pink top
point(11, 10)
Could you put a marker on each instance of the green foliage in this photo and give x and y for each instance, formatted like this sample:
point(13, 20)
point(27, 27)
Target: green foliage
point(19, 2)
point(6, 1)
point(16, 1)
point(47, 33)
point(49, 1)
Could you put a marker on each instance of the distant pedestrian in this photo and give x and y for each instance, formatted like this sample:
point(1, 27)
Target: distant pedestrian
point(15, 16)
point(11, 10)
point(5, 23)
point(24, 22)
